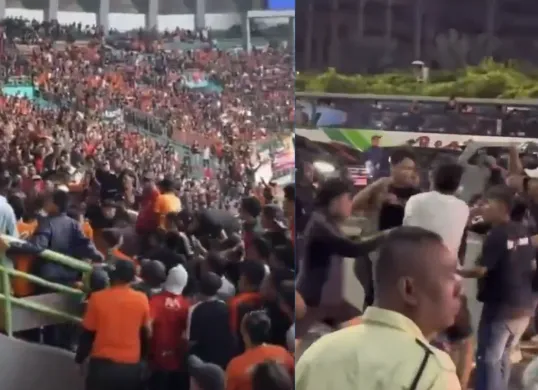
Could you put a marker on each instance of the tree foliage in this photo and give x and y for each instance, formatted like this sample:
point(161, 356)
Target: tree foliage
point(486, 80)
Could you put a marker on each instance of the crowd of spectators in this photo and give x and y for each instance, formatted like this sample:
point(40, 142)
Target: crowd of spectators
point(212, 256)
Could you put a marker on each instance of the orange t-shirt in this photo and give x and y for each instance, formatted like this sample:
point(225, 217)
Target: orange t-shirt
point(239, 370)
point(248, 298)
point(87, 230)
point(116, 315)
point(22, 287)
point(122, 256)
point(166, 203)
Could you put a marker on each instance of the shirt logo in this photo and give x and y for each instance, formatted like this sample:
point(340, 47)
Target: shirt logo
point(172, 304)
point(514, 244)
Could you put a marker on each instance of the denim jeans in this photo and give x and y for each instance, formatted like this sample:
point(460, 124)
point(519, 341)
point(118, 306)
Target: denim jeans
point(496, 338)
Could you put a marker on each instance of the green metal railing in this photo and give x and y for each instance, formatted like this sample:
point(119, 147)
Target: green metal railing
point(10, 300)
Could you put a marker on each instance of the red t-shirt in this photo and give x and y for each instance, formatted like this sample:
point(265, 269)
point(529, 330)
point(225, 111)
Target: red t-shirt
point(169, 313)
point(147, 221)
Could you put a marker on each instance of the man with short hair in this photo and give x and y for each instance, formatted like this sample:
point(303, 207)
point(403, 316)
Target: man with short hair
point(387, 196)
point(208, 324)
point(417, 295)
point(505, 272)
point(255, 332)
point(115, 334)
point(440, 211)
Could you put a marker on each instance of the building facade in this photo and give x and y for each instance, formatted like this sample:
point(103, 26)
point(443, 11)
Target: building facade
point(371, 35)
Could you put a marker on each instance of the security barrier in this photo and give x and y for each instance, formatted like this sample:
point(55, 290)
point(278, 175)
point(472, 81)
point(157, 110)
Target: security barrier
point(63, 304)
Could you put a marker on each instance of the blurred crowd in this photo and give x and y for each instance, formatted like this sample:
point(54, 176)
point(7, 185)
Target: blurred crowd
point(210, 257)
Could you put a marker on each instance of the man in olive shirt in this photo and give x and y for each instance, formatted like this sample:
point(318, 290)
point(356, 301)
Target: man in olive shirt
point(417, 295)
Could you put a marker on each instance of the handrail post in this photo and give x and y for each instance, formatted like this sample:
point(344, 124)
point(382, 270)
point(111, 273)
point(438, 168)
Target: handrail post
point(6, 287)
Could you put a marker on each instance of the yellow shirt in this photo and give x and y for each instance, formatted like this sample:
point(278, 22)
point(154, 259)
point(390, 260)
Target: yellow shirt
point(381, 353)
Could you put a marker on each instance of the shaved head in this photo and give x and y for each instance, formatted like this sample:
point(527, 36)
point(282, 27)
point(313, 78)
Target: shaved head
point(403, 253)
point(416, 275)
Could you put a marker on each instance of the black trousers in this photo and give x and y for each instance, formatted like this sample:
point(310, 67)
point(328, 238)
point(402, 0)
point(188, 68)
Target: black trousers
point(169, 380)
point(108, 375)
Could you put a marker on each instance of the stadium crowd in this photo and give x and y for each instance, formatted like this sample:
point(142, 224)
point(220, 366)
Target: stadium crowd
point(192, 285)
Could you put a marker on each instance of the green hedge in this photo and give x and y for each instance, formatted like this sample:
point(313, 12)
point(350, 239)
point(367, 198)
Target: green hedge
point(487, 80)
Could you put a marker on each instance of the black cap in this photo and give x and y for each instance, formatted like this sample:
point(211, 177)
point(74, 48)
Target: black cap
point(251, 205)
point(208, 376)
point(210, 283)
point(122, 271)
point(153, 272)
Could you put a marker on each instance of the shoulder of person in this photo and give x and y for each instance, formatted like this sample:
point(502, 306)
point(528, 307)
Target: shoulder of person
point(442, 359)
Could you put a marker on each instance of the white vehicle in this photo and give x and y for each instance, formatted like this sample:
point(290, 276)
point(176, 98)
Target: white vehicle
point(322, 115)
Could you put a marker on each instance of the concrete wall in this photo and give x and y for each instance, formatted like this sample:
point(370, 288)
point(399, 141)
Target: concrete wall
point(26, 366)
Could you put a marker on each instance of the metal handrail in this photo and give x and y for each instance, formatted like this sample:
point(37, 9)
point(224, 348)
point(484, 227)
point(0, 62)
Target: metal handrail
point(10, 300)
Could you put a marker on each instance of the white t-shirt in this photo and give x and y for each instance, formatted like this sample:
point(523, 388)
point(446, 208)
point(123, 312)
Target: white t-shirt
point(443, 214)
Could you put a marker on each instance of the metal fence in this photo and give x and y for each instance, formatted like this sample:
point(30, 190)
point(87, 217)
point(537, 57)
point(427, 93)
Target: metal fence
point(10, 301)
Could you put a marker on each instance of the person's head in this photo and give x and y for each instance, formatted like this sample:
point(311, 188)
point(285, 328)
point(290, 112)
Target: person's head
point(250, 209)
point(271, 375)
point(416, 275)
point(57, 202)
point(375, 140)
point(447, 177)
point(255, 328)
point(251, 275)
point(176, 280)
point(121, 272)
point(402, 167)
point(205, 376)
point(260, 249)
point(166, 185)
point(334, 196)
point(108, 208)
point(112, 238)
point(209, 284)
point(148, 181)
point(498, 204)
point(153, 273)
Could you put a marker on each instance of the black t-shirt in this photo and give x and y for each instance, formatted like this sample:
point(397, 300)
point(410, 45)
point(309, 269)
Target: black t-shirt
point(508, 256)
point(392, 215)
